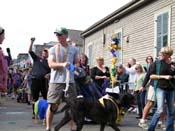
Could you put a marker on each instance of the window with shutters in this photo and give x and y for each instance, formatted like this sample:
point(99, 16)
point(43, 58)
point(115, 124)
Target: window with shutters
point(162, 29)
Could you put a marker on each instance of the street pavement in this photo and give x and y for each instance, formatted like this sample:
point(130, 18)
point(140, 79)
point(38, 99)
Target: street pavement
point(18, 117)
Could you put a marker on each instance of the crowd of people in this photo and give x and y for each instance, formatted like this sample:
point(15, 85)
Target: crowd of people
point(52, 71)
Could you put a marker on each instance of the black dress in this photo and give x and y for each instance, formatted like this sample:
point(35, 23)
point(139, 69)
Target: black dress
point(100, 82)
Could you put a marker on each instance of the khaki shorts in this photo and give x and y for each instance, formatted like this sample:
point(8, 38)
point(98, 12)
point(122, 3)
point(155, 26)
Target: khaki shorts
point(55, 90)
point(151, 95)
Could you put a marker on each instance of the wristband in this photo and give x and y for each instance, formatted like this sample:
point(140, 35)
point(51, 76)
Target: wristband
point(158, 76)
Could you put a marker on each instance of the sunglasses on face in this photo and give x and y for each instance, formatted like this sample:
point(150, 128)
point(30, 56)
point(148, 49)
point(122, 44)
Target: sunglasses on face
point(58, 34)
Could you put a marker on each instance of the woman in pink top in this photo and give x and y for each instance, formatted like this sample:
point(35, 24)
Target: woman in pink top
point(3, 64)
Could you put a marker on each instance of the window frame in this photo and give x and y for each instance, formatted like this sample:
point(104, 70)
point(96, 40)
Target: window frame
point(156, 14)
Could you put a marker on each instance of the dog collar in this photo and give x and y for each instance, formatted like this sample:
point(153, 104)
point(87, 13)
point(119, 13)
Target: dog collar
point(101, 100)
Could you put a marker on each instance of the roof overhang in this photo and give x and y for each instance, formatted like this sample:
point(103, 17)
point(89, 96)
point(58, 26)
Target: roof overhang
point(126, 9)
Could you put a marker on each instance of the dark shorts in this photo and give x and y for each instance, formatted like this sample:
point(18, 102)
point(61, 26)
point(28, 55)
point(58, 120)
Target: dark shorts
point(55, 91)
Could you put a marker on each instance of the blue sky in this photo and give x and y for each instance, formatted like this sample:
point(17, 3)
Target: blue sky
point(23, 19)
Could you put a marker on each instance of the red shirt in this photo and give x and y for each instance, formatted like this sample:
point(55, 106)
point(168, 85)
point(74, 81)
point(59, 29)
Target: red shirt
point(3, 71)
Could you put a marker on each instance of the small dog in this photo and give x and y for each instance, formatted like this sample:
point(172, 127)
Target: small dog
point(105, 111)
point(40, 108)
point(21, 95)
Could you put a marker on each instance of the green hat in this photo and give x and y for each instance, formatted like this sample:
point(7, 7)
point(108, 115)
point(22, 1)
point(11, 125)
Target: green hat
point(61, 31)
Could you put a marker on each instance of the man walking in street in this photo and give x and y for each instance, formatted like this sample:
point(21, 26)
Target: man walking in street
point(61, 56)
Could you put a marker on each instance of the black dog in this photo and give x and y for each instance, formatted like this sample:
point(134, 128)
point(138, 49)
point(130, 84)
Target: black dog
point(105, 112)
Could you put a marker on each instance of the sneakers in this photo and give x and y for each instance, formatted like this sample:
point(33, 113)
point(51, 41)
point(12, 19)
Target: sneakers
point(160, 125)
point(143, 125)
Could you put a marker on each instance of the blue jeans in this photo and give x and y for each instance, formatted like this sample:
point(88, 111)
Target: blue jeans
point(161, 96)
point(141, 99)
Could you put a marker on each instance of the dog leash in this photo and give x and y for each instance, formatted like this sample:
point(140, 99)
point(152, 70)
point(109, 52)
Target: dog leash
point(71, 68)
point(67, 83)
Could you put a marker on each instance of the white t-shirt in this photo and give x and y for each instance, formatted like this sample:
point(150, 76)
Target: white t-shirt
point(132, 75)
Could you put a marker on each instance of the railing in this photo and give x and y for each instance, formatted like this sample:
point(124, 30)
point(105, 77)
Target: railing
point(119, 89)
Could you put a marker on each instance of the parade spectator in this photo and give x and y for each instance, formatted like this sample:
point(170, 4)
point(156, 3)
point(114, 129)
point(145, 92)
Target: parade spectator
point(132, 73)
point(163, 72)
point(84, 63)
point(149, 60)
point(140, 96)
point(40, 72)
point(28, 83)
point(17, 81)
point(81, 75)
point(9, 83)
point(147, 82)
point(60, 58)
point(100, 73)
point(3, 65)
point(122, 78)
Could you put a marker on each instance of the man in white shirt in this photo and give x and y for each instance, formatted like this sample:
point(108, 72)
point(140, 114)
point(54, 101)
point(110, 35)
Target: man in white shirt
point(132, 73)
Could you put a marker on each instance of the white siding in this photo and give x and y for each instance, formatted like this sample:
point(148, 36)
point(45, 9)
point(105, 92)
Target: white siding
point(139, 27)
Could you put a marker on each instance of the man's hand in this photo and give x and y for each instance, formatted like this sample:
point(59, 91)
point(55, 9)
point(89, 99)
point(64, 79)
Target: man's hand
point(47, 76)
point(141, 89)
point(32, 39)
point(66, 64)
point(167, 77)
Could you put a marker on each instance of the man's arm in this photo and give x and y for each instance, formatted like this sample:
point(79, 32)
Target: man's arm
point(31, 43)
point(56, 65)
point(33, 55)
point(157, 77)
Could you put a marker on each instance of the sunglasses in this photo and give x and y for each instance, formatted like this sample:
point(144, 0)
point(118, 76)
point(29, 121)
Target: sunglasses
point(58, 34)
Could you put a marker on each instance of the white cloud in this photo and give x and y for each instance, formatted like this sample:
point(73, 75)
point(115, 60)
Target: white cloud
point(23, 19)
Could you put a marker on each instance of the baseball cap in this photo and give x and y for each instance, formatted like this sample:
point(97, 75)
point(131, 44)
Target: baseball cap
point(61, 31)
point(1, 30)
